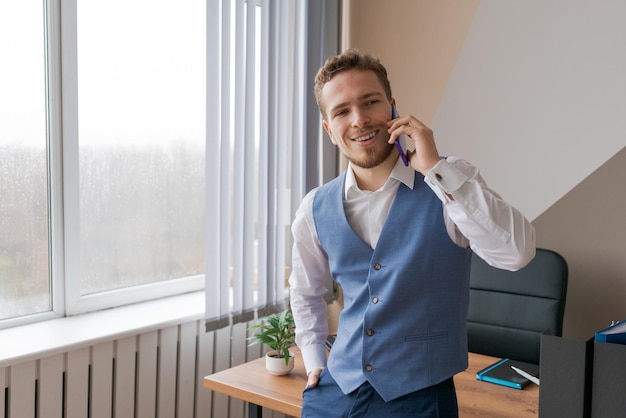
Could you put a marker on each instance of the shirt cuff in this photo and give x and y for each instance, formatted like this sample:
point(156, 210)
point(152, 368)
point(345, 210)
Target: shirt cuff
point(314, 356)
point(446, 176)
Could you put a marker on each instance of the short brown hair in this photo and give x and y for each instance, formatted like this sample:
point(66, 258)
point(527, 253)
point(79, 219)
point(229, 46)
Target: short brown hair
point(351, 59)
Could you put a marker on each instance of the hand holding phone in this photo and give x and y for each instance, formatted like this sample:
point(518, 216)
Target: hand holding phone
point(394, 114)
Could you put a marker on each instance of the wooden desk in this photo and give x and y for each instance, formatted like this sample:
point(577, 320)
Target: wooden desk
point(252, 383)
point(487, 400)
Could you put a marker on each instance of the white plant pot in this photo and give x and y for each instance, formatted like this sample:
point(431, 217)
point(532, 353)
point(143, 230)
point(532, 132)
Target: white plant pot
point(276, 365)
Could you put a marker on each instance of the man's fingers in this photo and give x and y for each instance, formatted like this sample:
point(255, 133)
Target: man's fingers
point(314, 378)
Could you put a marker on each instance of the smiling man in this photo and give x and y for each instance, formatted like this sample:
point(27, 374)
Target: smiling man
point(398, 239)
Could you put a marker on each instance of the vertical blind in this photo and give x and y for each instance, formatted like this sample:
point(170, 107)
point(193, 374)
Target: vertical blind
point(259, 157)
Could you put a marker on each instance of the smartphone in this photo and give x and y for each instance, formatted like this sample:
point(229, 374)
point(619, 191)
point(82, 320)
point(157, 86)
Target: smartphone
point(394, 114)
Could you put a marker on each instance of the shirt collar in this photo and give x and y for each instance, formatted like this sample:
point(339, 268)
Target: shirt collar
point(400, 173)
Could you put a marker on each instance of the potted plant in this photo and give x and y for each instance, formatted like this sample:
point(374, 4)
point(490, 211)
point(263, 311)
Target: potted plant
point(278, 333)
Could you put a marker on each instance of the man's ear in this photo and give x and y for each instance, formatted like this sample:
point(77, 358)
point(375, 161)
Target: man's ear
point(328, 131)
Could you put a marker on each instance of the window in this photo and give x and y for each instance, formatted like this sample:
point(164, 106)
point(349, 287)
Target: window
point(24, 229)
point(102, 167)
point(141, 141)
point(147, 146)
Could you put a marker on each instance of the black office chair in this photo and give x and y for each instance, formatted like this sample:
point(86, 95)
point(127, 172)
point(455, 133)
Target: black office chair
point(509, 310)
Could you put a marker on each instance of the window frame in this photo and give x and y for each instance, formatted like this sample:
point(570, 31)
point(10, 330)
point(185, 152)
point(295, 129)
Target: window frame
point(69, 258)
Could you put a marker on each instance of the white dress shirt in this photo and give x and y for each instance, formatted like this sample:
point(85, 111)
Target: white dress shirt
point(475, 216)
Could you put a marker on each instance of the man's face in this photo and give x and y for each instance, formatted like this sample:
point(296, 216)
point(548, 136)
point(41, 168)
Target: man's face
point(356, 115)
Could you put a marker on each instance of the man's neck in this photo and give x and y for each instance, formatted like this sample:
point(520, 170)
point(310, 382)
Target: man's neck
point(374, 178)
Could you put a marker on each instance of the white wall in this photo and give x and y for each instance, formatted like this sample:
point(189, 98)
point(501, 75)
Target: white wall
point(537, 98)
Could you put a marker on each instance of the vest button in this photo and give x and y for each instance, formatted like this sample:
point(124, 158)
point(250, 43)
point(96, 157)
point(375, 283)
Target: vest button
point(438, 176)
point(368, 368)
point(375, 300)
point(369, 332)
point(377, 266)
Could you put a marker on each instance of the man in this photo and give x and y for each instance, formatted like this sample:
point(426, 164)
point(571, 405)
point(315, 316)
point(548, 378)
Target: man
point(398, 239)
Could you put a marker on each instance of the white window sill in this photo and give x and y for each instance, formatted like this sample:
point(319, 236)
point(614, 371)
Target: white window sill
point(28, 342)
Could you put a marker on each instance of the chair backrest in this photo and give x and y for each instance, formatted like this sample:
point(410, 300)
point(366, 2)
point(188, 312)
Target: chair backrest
point(508, 310)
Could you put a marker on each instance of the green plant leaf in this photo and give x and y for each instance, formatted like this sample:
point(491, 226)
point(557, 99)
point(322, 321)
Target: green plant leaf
point(277, 331)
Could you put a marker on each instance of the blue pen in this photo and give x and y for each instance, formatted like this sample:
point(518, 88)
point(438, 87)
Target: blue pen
point(394, 114)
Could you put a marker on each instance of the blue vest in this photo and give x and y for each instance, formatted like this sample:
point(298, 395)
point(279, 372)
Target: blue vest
point(403, 326)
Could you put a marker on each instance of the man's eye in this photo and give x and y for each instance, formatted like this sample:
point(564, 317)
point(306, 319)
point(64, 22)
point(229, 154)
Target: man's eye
point(341, 113)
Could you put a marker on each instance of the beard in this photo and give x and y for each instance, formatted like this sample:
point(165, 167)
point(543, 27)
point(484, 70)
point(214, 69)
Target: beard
point(374, 156)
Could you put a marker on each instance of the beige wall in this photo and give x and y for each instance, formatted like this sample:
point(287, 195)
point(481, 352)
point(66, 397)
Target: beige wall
point(533, 93)
point(418, 41)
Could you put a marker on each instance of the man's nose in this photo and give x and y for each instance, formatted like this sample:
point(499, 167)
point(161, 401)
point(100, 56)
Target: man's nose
point(359, 118)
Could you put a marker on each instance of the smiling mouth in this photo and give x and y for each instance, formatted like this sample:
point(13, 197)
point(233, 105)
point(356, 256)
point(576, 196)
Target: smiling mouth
point(365, 137)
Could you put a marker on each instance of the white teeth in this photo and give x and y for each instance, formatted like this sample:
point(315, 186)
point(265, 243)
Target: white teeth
point(365, 138)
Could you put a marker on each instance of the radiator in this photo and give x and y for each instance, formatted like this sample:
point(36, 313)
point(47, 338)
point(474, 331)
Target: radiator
point(156, 374)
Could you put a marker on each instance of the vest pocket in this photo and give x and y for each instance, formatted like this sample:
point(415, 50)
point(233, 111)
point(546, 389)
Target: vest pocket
point(427, 336)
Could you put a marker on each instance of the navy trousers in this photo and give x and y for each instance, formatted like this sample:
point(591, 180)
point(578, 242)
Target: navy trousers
point(326, 400)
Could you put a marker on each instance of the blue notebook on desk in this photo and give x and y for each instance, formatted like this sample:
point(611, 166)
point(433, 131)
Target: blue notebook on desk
point(616, 333)
point(501, 373)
